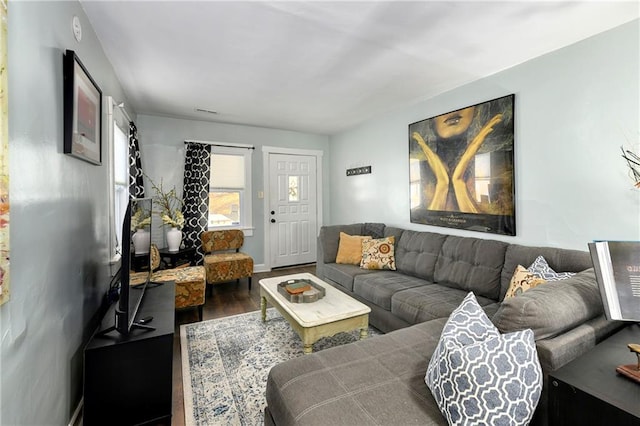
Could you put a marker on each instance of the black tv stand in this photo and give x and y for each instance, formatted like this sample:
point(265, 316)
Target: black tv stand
point(128, 378)
point(103, 333)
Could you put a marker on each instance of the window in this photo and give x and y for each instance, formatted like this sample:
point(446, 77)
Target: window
point(118, 140)
point(230, 188)
point(121, 177)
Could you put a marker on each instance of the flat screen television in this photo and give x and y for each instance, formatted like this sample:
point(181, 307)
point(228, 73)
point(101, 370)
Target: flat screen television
point(135, 268)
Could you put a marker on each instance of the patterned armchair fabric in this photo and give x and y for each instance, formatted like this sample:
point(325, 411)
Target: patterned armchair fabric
point(190, 282)
point(221, 262)
point(230, 239)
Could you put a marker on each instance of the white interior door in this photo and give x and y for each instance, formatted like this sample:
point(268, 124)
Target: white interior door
point(293, 215)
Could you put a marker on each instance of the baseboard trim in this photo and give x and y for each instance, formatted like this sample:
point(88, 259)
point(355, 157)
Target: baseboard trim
point(261, 268)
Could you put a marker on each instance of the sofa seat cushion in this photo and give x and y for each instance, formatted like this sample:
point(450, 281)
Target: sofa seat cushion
point(471, 264)
point(344, 274)
point(378, 288)
point(427, 302)
point(552, 308)
point(379, 380)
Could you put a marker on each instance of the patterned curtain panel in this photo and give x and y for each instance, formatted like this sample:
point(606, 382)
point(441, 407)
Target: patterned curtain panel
point(136, 183)
point(196, 194)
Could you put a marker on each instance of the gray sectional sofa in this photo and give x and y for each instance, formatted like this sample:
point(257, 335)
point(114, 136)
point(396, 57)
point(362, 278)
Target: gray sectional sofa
point(380, 380)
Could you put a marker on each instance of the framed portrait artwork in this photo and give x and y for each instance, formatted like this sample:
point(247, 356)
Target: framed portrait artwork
point(462, 169)
point(82, 111)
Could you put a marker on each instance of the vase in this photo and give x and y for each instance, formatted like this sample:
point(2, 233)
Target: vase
point(141, 241)
point(174, 239)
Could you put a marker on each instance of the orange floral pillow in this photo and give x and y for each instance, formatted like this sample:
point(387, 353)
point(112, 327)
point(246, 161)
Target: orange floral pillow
point(521, 281)
point(350, 249)
point(378, 254)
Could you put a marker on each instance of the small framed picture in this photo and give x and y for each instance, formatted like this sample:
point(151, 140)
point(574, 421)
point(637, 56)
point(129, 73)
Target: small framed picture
point(82, 111)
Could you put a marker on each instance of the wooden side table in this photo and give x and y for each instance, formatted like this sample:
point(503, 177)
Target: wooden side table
point(140, 262)
point(588, 391)
point(171, 259)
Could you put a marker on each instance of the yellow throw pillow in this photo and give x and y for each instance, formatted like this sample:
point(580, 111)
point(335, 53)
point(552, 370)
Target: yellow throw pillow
point(350, 249)
point(522, 281)
point(378, 254)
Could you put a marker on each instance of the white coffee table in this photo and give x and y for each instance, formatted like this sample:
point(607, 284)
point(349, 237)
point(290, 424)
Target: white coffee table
point(335, 312)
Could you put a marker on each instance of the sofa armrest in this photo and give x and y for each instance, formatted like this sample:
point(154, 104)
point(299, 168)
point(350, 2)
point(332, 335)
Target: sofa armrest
point(553, 308)
point(560, 350)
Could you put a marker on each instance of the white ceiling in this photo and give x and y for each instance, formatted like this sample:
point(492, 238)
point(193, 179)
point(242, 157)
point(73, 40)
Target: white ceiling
point(323, 67)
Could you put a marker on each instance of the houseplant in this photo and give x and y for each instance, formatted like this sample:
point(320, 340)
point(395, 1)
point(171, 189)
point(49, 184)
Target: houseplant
point(140, 220)
point(633, 162)
point(170, 210)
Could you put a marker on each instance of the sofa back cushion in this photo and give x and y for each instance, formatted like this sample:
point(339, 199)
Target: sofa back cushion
point(472, 264)
point(417, 253)
point(329, 239)
point(393, 231)
point(560, 260)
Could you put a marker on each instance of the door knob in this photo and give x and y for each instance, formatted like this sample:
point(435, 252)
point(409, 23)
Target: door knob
point(273, 221)
point(273, 212)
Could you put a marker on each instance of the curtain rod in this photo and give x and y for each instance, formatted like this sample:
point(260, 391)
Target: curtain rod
point(227, 145)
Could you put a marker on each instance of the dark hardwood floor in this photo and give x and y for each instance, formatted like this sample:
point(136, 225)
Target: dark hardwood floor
point(227, 299)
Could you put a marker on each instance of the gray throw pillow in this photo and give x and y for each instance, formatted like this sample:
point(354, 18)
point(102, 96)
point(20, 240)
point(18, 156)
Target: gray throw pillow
point(541, 268)
point(478, 376)
point(376, 230)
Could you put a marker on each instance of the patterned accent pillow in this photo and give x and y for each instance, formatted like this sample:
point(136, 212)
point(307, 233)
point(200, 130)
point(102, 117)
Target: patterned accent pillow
point(378, 254)
point(541, 268)
point(522, 281)
point(478, 376)
point(350, 249)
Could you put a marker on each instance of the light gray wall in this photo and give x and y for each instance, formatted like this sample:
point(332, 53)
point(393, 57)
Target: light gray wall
point(574, 108)
point(162, 150)
point(59, 220)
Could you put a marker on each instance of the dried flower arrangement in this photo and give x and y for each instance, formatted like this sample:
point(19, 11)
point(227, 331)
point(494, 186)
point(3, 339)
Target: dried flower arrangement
point(170, 205)
point(633, 161)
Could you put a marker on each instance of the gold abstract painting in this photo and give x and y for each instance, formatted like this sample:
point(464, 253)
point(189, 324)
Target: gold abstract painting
point(462, 170)
point(4, 160)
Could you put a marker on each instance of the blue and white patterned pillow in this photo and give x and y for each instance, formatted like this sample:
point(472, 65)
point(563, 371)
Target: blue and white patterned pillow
point(479, 376)
point(541, 268)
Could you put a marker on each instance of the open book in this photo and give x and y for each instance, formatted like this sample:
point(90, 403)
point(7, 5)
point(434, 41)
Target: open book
point(617, 269)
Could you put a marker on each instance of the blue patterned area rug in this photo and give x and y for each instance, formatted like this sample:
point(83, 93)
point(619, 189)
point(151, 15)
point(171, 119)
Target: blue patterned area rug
point(225, 363)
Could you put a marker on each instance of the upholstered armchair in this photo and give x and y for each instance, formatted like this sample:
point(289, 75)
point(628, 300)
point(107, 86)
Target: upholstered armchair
point(223, 259)
point(190, 282)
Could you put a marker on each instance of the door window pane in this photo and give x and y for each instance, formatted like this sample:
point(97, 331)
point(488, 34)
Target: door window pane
point(293, 189)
